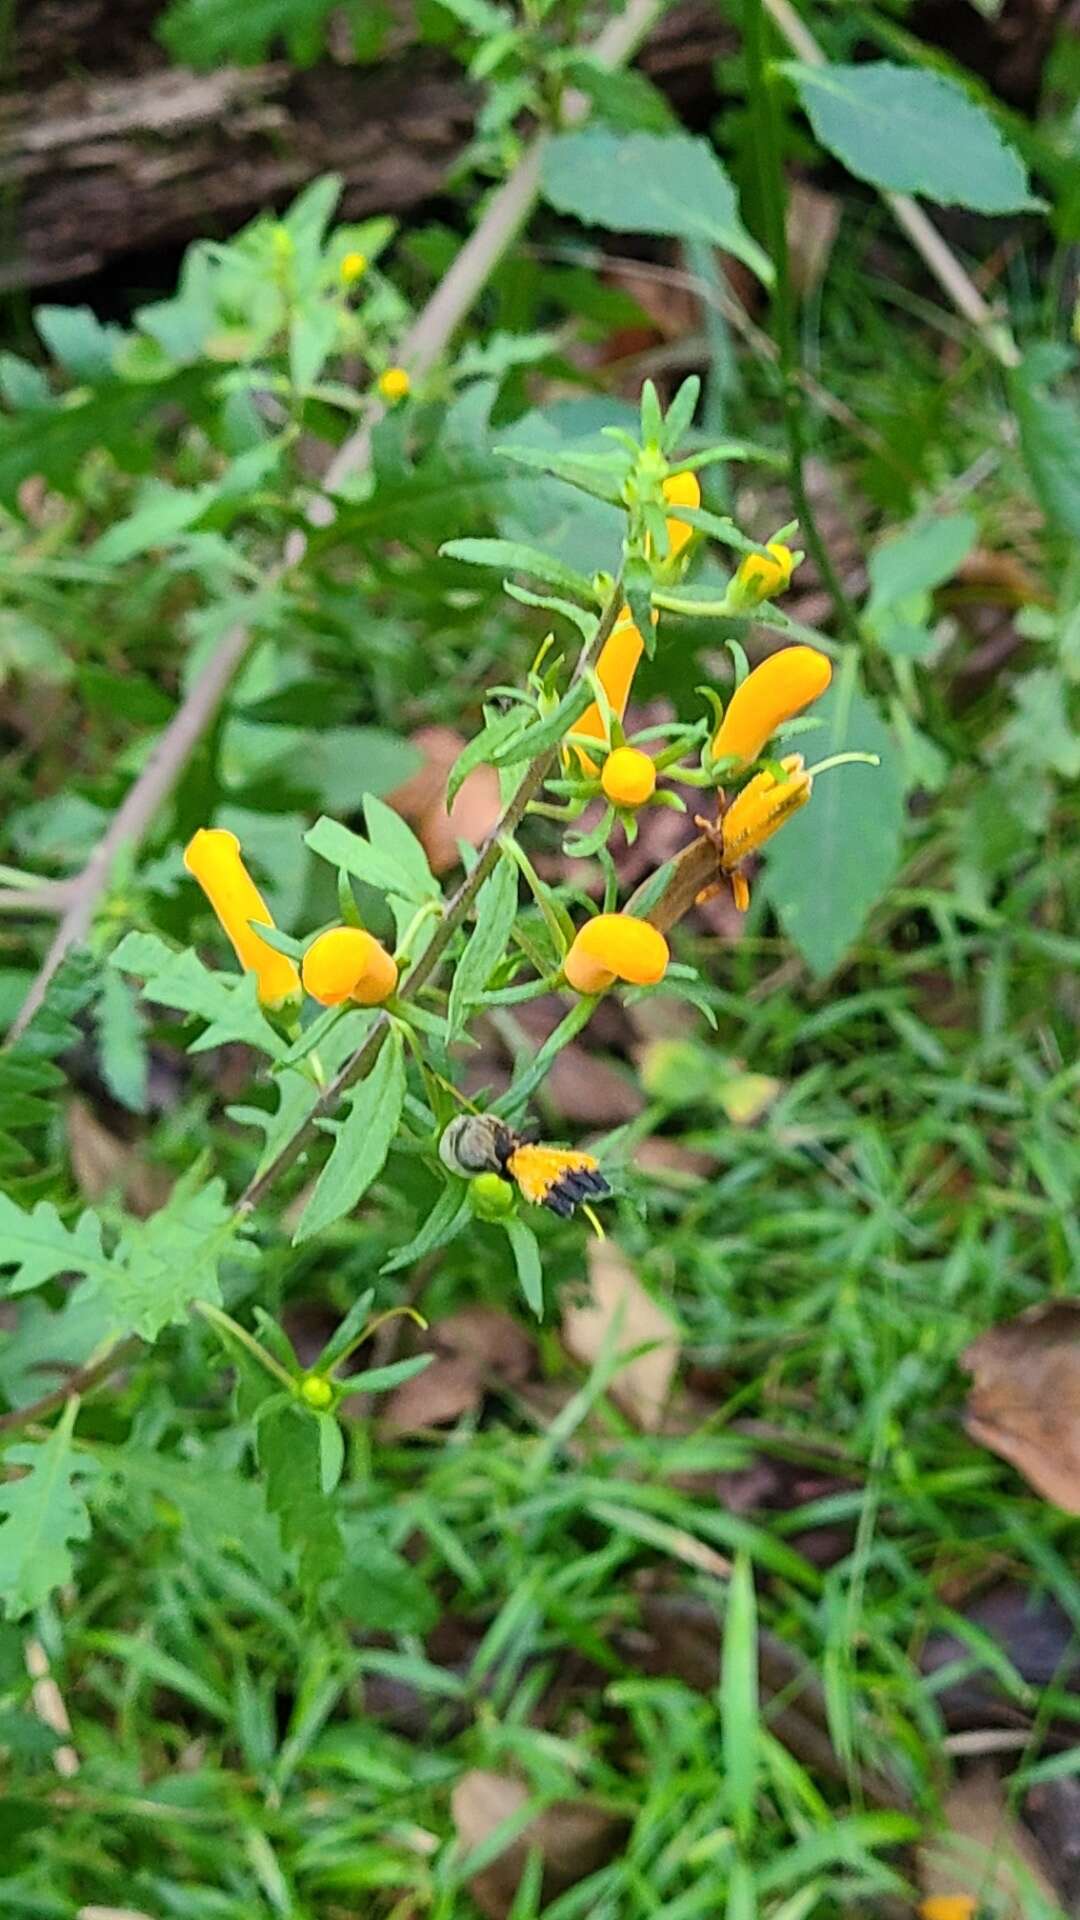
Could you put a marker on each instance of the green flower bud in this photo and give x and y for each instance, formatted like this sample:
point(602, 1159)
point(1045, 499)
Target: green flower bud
point(491, 1197)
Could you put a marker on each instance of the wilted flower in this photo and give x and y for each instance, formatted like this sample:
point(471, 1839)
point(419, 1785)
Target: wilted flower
point(616, 946)
point(346, 963)
point(756, 814)
point(213, 858)
point(775, 691)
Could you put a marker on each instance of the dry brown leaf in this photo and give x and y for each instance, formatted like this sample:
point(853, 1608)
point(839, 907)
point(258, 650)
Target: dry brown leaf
point(451, 1386)
point(662, 1158)
point(473, 1349)
point(983, 1852)
point(642, 1385)
point(103, 1163)
point(588, 1089)
point(574, 1838)
point(491, 1340)
point(1025, 1403)
point(422, 799)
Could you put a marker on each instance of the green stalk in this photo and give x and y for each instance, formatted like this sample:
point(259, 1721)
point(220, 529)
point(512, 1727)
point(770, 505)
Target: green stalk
point(774, 194)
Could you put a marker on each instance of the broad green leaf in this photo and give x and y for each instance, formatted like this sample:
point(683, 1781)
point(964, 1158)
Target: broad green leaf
point(39, 1246)
point(510, 556)
point(176, 978)
point(919, 559)
point(44, 1346)
point(496, 909)
point(832, 862)
point(910, 131)
point(1049, 425)
point(361, 1141)
point(289, 1455)
point(622, 98)
point(1041, 733)
point(77, 339)
point(166, 1262)
point(382, 1592)
point(45, 1511)
point(739, 1700)
point(649, 183)
point(527, 1261)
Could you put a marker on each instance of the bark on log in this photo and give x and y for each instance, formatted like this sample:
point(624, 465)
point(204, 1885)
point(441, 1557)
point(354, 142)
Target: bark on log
point(135, 155)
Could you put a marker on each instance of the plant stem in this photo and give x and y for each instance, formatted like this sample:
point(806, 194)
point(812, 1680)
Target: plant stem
point(774, 193)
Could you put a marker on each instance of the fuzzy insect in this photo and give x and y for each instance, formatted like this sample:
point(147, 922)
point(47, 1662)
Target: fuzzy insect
point(554, 1177)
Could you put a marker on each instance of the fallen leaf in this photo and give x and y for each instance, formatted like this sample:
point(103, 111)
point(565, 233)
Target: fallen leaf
point(641, 1386)
point(444, 1391)
point(670, 1160)
point(984, 1853)
point(421, 800)
point(1025, 1402)
point(103, 1163)
point(491, 1340)
point(474, 1349)
point(573, 1837)
point(590, 1091)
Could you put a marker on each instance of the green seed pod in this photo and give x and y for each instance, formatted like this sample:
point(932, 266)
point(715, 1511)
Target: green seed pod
point(491, 1197)
point(316, 1392)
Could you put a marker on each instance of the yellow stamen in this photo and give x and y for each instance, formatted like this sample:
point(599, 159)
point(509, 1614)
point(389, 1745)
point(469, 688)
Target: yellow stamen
point(616, 946)
point(776, 691)
point(213, 858)
point(346, 963)
point(761, 808)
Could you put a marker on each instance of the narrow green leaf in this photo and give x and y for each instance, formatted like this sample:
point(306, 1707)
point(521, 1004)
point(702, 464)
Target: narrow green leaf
point(443, 1224)
point(546, 733)
point(527, 1261)
point(389, 833)
point(511, 556)
point(331, 1451)
point(375, 866)
point(1049, 424)
point(125, 1059)
point(739, 1700)
point(500, 728)
point(496, 910)
point(290, 1457)
point(361, 1141)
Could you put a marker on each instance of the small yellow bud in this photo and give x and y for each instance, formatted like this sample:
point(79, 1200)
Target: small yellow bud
point(345, 963)
point(394, 384)
point(760, 578)
point(491, 1197)
point(352, 269)
point(316, 1392)
point(616, 946)
point(629, 777)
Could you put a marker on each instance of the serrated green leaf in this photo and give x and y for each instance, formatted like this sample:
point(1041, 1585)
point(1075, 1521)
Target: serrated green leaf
point(832, 862)
point(361, 1141)
point(164, 1263)
point(382, 1592)
point(527, 1261)
point(125, 1059)
point(46, 1510)
point(649, 183)
point(511, 556)
point(496, 910)
point(176, 978)
point(289, 1456)
point(38, 1246)
point(910, 131)
point(44, 1347)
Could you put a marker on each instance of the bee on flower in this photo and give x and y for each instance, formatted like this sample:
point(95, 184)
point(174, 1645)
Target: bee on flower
point(477, 1146)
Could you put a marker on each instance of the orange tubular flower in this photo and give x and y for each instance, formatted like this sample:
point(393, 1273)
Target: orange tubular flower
point(776, 691)
point(615, 946)
point(629, 777)
point(624, 646)
point(347, 964)
point(763, 805)
point(213, 858)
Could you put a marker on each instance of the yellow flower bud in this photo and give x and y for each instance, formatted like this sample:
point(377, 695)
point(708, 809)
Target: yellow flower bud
point(616, 946)
point(352, 269)
point(776, 691)
point(394, 384)
point(682, 490)
point(948, 1906)
point(761, 808)
point(760, 579)
point(316, 1392)
point(346, 963)
point(213, 858)
point(629, 777)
